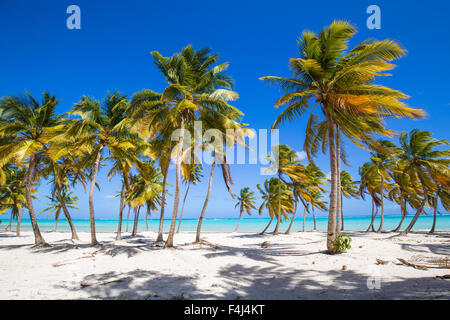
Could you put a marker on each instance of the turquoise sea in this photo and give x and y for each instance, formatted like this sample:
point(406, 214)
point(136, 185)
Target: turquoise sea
point(246, 225)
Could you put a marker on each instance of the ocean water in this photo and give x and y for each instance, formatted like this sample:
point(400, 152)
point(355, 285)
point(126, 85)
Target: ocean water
point(246, 224)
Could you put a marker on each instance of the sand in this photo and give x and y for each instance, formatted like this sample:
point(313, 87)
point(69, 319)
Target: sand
point(292, 267)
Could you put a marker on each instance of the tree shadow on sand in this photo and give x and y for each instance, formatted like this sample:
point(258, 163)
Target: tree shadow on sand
point(266, 283)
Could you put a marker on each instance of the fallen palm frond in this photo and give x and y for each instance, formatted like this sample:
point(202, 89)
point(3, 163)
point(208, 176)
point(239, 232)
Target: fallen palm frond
point(439, 263)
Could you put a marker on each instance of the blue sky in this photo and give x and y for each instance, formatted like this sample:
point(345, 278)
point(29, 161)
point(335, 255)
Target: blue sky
point(111, 51)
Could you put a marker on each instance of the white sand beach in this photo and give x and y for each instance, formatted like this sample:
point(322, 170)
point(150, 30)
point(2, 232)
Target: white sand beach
point(292, 267)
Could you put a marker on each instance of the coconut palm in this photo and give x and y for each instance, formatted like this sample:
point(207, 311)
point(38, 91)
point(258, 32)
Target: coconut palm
point(341, 84)
point(272, 200)
point(285, 162)
point(31, 126)
point(425, 165)
point(194, 86)
point(349, 190)
point(245, 202)
point(55, 205)
point(192, 174)
point(99, 128)
point(13, 193)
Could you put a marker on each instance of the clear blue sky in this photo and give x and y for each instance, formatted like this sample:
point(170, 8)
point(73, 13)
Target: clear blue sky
point(111, 51)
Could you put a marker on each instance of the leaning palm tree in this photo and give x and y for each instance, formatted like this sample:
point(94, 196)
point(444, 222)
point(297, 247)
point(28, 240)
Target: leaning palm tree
point(194, 86)
point(425, 165)
point(13, 193)
point(287, 163)
point(55, 205)
point(192, 174)
point(349, 190)
point(341, 84)
point(245, 202)
point(273, 202)
point(100, 127)
point(31, 126)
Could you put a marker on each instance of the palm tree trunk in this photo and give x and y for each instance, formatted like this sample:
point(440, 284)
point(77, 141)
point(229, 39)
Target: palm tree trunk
point(128, 217)
point(292, 220)
point(182, 208)
point(169, 241)
point(268, 225)
point(67, 214)
point(94, 241)
point(19, 220)
point(338, 183)
point(304, 217)
point(146, 220)
point(277, 226)
point(200, 220)
point(435, 203)
point(56, 219)
point(159, 238)
point(38, 239)
point(342, 212)
point(239, 220)
point(136, 221)
point(314, 219)
point(331, 232)
point(122, 198)
point(403, 213)
point(382, 205)
point(9, 226)
point(416, 216)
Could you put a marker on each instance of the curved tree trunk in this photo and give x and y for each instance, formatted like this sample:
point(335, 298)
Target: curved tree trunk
point(239, 220)
point(56, 219)
point(182, 208)
point(128, 217)
point(136, 222)
point(19, 220)
point(9, 226)
point(304, 217)
point(159, 238)
point(277, 226)
point(403, 213)
point(338, 183)
point(122, 198)
point(146, 219)
point(373, 218)
point(38, 239)
point(382, 205)
point(267, 227)
point(67, 214)
point(416, 216)
point(342, 213)
point(94, 241)
point(202, 215)
point(292, 220)
point(435, 203)
point(169, 241)
point(331, 230)
point(314, 218)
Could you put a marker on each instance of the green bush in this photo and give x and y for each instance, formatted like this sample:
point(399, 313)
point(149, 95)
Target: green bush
point(342, 243)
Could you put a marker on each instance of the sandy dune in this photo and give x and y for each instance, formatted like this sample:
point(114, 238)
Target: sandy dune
point(292, 267)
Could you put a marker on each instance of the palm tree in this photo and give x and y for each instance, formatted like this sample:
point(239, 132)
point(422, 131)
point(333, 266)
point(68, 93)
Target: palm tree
point(285, 162)
point(32, 125)
point(341, 83)
point(101, 127)
point(144, 190)
point(424, 165)
point(272, 200)
point(55, 205)
point(245, 201)
point(13, 193)
point(192, 173)
point(194, 86)
point(348, 190)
